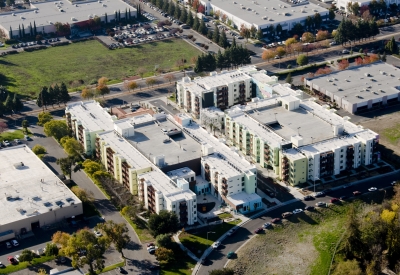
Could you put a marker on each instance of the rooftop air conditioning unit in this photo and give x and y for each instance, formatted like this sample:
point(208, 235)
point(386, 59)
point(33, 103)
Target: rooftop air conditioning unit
point(249, 9)
point(104, 5)
point(13, 14)
point(36, 11)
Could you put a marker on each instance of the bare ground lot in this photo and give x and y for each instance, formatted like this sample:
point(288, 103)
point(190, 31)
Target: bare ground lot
point(388, 128)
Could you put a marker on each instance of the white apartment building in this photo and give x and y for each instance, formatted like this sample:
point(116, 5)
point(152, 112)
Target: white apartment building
point(158, 192)
point(33, 196)
point(342, 4)
point(86, 119)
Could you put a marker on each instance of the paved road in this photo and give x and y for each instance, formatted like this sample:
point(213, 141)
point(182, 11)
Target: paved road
point(138, 260)
point(217, 258)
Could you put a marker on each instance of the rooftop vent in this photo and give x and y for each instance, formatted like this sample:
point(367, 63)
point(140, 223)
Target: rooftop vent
point(76, 5)
point(36, 11)
point(47, 204)
point(13, 14)
point(19, 165)
point(367, 74)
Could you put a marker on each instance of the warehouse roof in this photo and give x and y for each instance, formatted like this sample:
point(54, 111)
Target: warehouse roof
point(30, 188)
point(48, 13)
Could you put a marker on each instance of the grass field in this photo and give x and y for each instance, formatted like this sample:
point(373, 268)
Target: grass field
point(183, 264)
point(26, 73)
point(11, 135)
point(142, 232)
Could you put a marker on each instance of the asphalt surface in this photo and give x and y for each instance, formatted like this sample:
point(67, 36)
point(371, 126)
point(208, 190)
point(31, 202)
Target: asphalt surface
point(217, 259)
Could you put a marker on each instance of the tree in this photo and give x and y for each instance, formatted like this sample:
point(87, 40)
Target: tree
point(322, 35)
point(343, 64)
point(71, 146)
point(391, 46)
point(51, 249)
point(278, 29)
point(223, 271)
point(91, 166)
point(117, 233)
point(177, 12)
point(43, 118)
point(260, 34)
point(223, 41)
point(150, 81)
point(10, 2)
point(42, 271)
point(307, 37)
point(290, 41)
point(8, 104)
point(302, 60)
point(331, 14)
point(86, 240)
point(349, 267)
point(141, 71)
point(169, 77)
point(163, 223)
point(39, 150)
point(43, 98)
point(64, 95)
point(132, 85)
point(352, 243)
point(26, 256)
point(164, 255)
point(245, 32)
point(56, 129)
point(102, 90)
point(87, 93)
point(317, 20)
point(268, 54)
point(25, 125)
point(17, 104)
point(308, 23)
point(2, 4)
point(196, 23)
point(216, 35)
point(3, 126)
point(289, 78)
point(183, 16)
point(66, 165)
point(297, 29)
point(164, 240)
point(280, 51)
point(202, 28)
point(82, 194)
point(190, 19)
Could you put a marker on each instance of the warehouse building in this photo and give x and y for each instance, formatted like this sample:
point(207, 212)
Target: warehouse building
point(33, 196)
point(262, 15)
point(45, 14)
point(360, 88)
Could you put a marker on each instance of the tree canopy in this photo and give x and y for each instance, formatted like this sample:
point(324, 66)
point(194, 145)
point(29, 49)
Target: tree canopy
point(56, 129)
point(165, 222)
point(117, 233)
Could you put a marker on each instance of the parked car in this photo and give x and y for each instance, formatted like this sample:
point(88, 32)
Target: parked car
point(98, 233)
point(276, 220)
point(12, 260)
point(216, 245)
point(333, 200)
point(17, 141)
point(2, 265)
point(8, 244)
point(230, 254)
point(345, 51)
point(309, 208)
point(16, 257)
point(297, 211)
point(287, 215)
point(150, 244)
point(393, 183)
point(231, 232)
point(258, 230)
point(267, 225)
point(333, 43)
point(15, 243)
point(319, 194)
point(6, 143)
point(320, 204)
point(356, 193)
point(372, 189)
point(152, 250)
point(342, 198)
point(308, 198)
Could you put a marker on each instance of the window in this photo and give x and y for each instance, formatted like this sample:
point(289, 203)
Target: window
point(242, 189)
point(242, 178)
point(173, 206)
point(242, 183)
point(194, 212)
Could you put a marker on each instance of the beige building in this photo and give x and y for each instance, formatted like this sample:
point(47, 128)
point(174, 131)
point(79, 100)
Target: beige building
point(33, 195)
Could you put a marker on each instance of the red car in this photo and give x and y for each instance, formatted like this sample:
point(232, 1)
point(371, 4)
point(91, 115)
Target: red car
point(356, 193)
point(276, 220)
point(12, 260)
point(333, 200)
point(258, 230)
point(150, 244)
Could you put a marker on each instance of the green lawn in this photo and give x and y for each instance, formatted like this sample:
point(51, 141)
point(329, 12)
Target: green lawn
point(23, 265)
point(87, 61)
point(199, 241)
point(392, 134)
point(224, 216)
point(141, 230)
point(11, 135)
point(182, 265)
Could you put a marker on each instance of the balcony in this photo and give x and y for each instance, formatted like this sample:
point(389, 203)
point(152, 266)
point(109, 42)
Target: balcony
point(224, 186)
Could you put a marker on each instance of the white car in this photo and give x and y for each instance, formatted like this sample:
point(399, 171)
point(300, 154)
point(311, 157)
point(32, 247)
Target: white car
point(297, 211)
point(98, 233)
point(216, 245)
point(393, 183)
point(16, 257)
point(372, 189)
point(15, 243)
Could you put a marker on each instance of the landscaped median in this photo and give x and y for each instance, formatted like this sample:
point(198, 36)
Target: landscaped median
point(198, 242)
point(23, 265)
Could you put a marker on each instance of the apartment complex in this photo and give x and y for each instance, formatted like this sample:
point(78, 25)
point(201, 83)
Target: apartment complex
point(360, 88)
point(33, 196)
point(86, 119)
point(298, 139)
point(221, 90)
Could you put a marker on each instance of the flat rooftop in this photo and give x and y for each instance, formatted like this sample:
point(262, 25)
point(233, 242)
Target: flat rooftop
point(149, 140)
point(224, 169)
point(291, 123)
point(267, 13)
point(361, 83)
point(243, 197)
point(183, 172)
point(223, 78)
point(123, 148)
point(293, 154)
point(329, 145)
point(31, 186)
point(161, 182)
point(237, 115)
point(92, 116)
point(48, 13)
point(226, 152)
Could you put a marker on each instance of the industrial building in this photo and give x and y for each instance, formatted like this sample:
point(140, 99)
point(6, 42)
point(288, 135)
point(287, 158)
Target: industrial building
point(262, 15)
point(222, 90)
point(33, 196)
point(360, 88)
point(45, 14)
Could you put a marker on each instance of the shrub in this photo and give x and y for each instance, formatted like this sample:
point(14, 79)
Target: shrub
point(11, 41)
point(63, 43)
point(193, 39)
point(206, 47)
point(190, 36)
point(12, 52)
point(39, 149)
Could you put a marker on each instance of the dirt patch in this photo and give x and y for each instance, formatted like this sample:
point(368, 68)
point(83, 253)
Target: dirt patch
point(388, 128)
